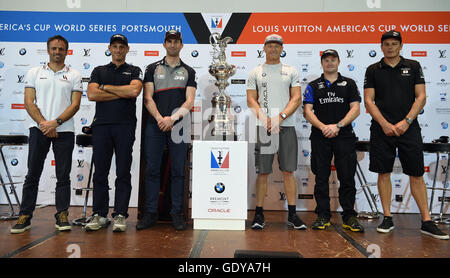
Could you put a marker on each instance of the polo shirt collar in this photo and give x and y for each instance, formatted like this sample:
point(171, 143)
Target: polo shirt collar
point(112, 65)
point(339, 79)
point(64, 69)
point(163, 62)
point(401, 63)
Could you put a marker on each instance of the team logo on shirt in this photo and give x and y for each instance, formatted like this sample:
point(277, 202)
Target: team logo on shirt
point(343, 83)
point(331, 98)
point(406, 72)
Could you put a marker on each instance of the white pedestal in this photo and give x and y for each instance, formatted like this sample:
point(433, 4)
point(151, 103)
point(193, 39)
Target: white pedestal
point(219, 185)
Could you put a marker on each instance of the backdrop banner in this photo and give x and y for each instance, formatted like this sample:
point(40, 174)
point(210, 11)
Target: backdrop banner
point(355, 35)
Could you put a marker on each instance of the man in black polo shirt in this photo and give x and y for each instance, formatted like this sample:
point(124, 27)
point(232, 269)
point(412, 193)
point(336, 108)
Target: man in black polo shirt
point(331, 103)
point(394, 94)
point(114, 87)
point(169, 92)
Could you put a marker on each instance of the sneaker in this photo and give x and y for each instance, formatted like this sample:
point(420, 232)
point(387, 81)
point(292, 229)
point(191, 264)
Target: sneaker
point(295, 222)
point(258, 222)
point(120, 224)
point(387, 225)
point(23, 224)
point(431, 229)
point(178, 222)
point(353, 225)
point(96, 223)
point(149, 220)
point(321, 223)
point(62, 222)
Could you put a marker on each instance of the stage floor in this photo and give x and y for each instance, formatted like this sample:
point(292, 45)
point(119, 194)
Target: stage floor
point(162, 241)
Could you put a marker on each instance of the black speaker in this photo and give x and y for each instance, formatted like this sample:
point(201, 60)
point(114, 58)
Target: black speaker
point(265, 254)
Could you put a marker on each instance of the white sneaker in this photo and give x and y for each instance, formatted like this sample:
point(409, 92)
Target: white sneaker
point(96, 223)
point(120, 224)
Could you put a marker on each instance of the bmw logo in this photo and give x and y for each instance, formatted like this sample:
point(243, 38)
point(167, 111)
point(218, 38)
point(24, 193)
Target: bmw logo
point(80, 177)
point(283, 54)
point(86, 66)
point(83, 121)
point(444, 125)
point(443, 67)
point(2, 65)
point(219, 187)
point(23, 51)
point(194, 53)
point(351, 67)
point(237, 109)
point(372, 53)
point(305, 153)
point(107, 53)
point(14, 162)
point(422, 111)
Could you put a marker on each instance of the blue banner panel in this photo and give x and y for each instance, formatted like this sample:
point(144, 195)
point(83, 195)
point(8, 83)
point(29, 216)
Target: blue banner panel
point(91, 27)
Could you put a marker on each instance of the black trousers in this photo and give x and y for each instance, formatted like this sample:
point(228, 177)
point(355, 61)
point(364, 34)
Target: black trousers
point(38, 147)
point(322, 151)
point(106, 140)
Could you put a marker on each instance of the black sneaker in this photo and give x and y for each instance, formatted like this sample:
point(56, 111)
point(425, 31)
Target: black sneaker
point(258, 222)
point(353, 225)
point(149, 220)
point(431, 229)
point(62, 222)
point(387, 225)
point(321, 223)
point(295, 222)
point(23, 224)
point(178, 222)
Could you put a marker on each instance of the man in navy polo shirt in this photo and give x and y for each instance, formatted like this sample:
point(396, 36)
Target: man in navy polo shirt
point(169, 92)
point(114, 87)
point(394, 94)
point(331, 104)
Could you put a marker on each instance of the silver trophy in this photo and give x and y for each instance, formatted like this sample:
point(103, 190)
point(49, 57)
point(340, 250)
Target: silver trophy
point(221, 70)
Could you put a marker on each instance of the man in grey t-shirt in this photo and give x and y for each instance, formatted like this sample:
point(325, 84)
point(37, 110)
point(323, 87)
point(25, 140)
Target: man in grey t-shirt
point(273, 95)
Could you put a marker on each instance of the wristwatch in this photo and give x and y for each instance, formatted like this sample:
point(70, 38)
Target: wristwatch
point(283, 116)
point(339, 125)
point(101, 87)
point(59, 121)
point(409, 120)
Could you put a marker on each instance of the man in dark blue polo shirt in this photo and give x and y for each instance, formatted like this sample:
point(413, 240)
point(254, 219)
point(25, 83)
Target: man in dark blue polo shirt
point(169, 92)
point(394, 94)
point(331, 103)
point(114, 87)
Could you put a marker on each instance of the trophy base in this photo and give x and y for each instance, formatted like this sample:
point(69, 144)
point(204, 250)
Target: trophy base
point(223, 137)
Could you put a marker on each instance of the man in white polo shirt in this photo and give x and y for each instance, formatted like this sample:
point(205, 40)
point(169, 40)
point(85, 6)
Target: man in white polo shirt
point(52, 96)
point(273, 95)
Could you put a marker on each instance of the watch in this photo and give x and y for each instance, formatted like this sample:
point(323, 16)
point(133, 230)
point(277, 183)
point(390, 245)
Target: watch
point(59, 121)
point(409, 120)
point(101, 87)
point(339, 125)
point(283, 116)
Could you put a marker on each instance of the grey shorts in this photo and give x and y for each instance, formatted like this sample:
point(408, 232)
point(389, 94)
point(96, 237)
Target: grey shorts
point(284, 144)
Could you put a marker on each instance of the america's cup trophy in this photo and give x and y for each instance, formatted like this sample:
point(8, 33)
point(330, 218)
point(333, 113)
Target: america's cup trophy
point(221, 70)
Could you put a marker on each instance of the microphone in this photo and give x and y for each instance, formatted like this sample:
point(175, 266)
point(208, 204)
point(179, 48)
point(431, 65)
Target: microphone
point(86, 130)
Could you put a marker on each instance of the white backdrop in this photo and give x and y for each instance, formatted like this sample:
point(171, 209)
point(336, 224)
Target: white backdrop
point(305, 57)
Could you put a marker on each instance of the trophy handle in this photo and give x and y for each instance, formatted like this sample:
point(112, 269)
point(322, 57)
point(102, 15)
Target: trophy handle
point(214, 38)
